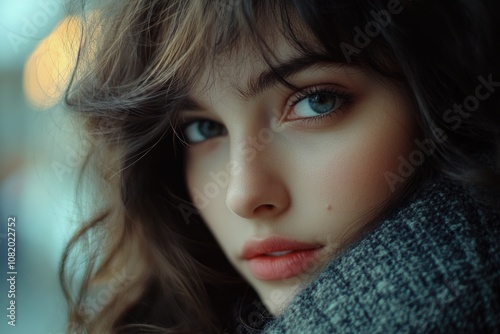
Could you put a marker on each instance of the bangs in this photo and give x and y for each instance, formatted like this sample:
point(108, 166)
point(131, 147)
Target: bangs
point(319, 31)
point(258, 25)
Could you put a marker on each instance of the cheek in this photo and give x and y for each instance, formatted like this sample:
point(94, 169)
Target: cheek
point(358, 179)
point(353, 170)
point(207, 178)
point(206, 175)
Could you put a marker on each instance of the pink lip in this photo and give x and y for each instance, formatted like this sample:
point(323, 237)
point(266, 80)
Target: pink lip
point(268, 267)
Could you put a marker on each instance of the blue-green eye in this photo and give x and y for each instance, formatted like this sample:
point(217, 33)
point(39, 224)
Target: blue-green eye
point(317, 104)
point(199, 131)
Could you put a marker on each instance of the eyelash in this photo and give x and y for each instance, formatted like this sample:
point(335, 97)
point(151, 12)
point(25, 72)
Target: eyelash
point(345, 97)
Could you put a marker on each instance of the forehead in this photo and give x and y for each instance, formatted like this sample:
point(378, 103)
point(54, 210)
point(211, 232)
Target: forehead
point(234, 67)
point(251, 63)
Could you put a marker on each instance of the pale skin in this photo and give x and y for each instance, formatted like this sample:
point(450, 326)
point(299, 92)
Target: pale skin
point(306, 164)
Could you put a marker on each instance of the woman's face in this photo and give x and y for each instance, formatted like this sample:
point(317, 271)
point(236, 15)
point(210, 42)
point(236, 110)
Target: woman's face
point(282, 176)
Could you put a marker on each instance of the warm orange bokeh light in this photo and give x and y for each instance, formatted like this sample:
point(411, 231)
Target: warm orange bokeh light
point(47, 71)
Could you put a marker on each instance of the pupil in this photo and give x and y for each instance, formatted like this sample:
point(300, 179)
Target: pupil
point(209, 129)
point(322, 103)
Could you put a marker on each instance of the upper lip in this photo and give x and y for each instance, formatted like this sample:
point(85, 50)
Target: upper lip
point(257, 247)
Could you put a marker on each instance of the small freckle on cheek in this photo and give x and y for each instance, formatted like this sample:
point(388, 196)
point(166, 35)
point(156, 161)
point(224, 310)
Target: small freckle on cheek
point(328, 207)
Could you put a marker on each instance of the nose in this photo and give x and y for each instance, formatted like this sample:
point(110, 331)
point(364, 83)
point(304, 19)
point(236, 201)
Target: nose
point(256, 189)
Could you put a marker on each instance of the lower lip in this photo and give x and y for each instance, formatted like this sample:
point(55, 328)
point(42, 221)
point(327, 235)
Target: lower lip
point(272, 268)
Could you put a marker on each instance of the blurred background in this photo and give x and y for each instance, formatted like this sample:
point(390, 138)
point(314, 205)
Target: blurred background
point(39, 155)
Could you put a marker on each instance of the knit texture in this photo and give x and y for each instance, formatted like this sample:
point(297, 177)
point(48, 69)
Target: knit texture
point(432, 266)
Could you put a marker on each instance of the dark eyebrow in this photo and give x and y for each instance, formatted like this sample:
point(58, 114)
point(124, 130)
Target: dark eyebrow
point(277, 74)
point(274, 75)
